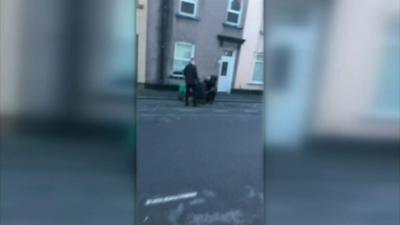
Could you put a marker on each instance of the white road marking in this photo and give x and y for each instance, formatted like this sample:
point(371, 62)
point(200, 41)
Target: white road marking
point(170, 198)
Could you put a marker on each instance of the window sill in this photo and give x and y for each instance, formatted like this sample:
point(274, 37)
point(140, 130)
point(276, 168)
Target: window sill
point(227, 24)
point(259, 83)
point(183, 16)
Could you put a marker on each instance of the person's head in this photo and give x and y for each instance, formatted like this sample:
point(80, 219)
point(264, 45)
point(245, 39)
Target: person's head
point(192, 61)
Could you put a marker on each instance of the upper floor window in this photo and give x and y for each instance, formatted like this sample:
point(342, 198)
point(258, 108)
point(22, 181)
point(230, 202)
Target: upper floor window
point(183, 53)
point(188, 7)
point(235, 9)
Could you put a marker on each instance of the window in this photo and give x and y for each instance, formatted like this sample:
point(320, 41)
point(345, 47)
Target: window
point(224, 68)
point(234, 12)
point(227, 53)
point(183, 53)
point(188, 7)
point(258, 73)
point(388, 94)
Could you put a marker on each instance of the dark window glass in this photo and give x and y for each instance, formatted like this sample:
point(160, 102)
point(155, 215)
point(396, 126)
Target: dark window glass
point(228, 53)
point(235, 5)
point(187, 7)
point(233, 17)
point(224, 68)
point(281, 60)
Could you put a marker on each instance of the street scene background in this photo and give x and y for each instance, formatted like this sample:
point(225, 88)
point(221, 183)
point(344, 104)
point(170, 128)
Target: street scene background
point(304, 129)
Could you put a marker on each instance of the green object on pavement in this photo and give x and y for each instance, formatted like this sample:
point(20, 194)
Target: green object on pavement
point(182, 89)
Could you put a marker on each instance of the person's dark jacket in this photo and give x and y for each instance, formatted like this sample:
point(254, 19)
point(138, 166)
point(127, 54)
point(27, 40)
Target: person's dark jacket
point(190, 73)
point(211, 84)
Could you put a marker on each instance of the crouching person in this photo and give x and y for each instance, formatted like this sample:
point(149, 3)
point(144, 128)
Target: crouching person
point(211, 88)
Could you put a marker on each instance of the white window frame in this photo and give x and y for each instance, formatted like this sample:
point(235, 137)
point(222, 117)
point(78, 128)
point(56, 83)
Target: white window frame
point(240, 12)
point(196, 4)
point(181, 58)
point(254, 68)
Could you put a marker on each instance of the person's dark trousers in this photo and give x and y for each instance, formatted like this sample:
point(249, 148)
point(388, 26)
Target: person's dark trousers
point(190, 89)
point(211, 97)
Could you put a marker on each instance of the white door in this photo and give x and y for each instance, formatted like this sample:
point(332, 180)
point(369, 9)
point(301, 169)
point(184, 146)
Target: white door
point(290, 54)
point(226, 69)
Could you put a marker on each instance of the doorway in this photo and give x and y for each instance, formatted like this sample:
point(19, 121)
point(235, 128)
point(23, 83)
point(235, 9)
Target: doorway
point(226, 70)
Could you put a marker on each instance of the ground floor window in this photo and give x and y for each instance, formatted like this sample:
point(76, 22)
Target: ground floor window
point(183, 53)
point(258, 73)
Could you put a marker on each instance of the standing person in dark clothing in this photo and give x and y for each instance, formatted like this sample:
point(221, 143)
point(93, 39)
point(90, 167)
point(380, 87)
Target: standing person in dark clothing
point(191, 79)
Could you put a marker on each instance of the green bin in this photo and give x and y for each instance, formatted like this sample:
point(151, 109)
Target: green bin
point(182, 91)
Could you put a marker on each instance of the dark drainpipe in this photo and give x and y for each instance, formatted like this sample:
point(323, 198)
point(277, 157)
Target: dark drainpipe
point(165, 12)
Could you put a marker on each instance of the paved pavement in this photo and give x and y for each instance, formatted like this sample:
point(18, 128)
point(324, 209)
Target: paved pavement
point(158, 94)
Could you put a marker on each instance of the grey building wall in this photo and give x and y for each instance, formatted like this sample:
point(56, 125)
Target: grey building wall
point(201, 31)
